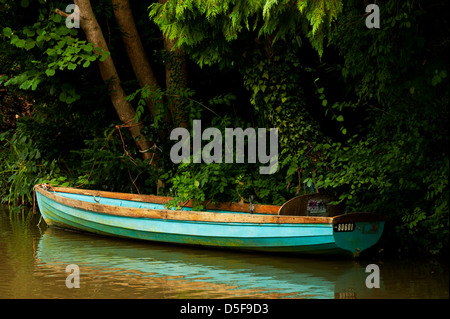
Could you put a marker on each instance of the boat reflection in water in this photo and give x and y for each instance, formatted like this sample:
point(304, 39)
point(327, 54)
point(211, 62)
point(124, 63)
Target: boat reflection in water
point(111, 268)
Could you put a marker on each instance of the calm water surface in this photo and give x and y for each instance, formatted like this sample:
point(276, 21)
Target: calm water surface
point(33, 264)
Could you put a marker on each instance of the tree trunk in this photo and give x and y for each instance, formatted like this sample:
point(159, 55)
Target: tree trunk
point(176, 80)
point(136, 52)
point(109, 74)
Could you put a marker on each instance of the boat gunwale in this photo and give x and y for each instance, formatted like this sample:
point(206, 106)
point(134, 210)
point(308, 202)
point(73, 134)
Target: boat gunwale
point(167, 214)
point(197, 216)
point(232, 206)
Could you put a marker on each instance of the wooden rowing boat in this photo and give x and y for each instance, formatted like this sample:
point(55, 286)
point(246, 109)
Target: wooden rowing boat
point(267, 228)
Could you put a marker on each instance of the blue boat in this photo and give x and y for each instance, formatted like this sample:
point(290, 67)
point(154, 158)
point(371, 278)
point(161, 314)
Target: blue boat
point(266, 228)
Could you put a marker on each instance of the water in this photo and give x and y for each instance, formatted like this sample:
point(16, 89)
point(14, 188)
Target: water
point(33, 263)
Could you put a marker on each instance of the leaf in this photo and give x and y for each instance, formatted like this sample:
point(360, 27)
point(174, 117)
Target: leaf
point(7, 32)
point(50, 72)
point(20, 43)
point(25, 85)
point(57, 18)
point(35, 84)
point(25, 3)
point(63, 96)
point(88, 47)
point(340, 118)
point(29, 32)
point(29, 45)
point(104, 56)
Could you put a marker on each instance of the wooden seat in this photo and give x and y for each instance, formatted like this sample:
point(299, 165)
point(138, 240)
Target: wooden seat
point(312, 205)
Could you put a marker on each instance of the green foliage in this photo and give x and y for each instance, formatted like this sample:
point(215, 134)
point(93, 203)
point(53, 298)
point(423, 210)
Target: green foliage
point(389, 156)
point(220, 182)
point(51, 47)
point(205, 28)
point(23, 167)
point(144, 94)
point(362, 113)
point(105, 164)
point(396, 163)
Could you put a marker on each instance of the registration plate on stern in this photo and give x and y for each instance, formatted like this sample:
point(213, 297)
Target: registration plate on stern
point(344, 227)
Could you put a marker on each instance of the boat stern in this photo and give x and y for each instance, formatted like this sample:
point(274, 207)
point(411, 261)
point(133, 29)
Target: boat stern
point(355, 232)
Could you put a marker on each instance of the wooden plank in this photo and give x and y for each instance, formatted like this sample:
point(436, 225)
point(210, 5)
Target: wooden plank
point(232, 207)
point(125, 196)
point(183, 215)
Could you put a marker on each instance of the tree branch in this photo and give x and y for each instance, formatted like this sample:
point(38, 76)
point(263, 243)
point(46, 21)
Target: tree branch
point(62, 13)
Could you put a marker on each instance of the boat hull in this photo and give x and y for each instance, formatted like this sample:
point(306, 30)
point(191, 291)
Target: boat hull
point(257, 232)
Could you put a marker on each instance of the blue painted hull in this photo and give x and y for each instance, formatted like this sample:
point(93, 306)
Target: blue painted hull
point(114, 217)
